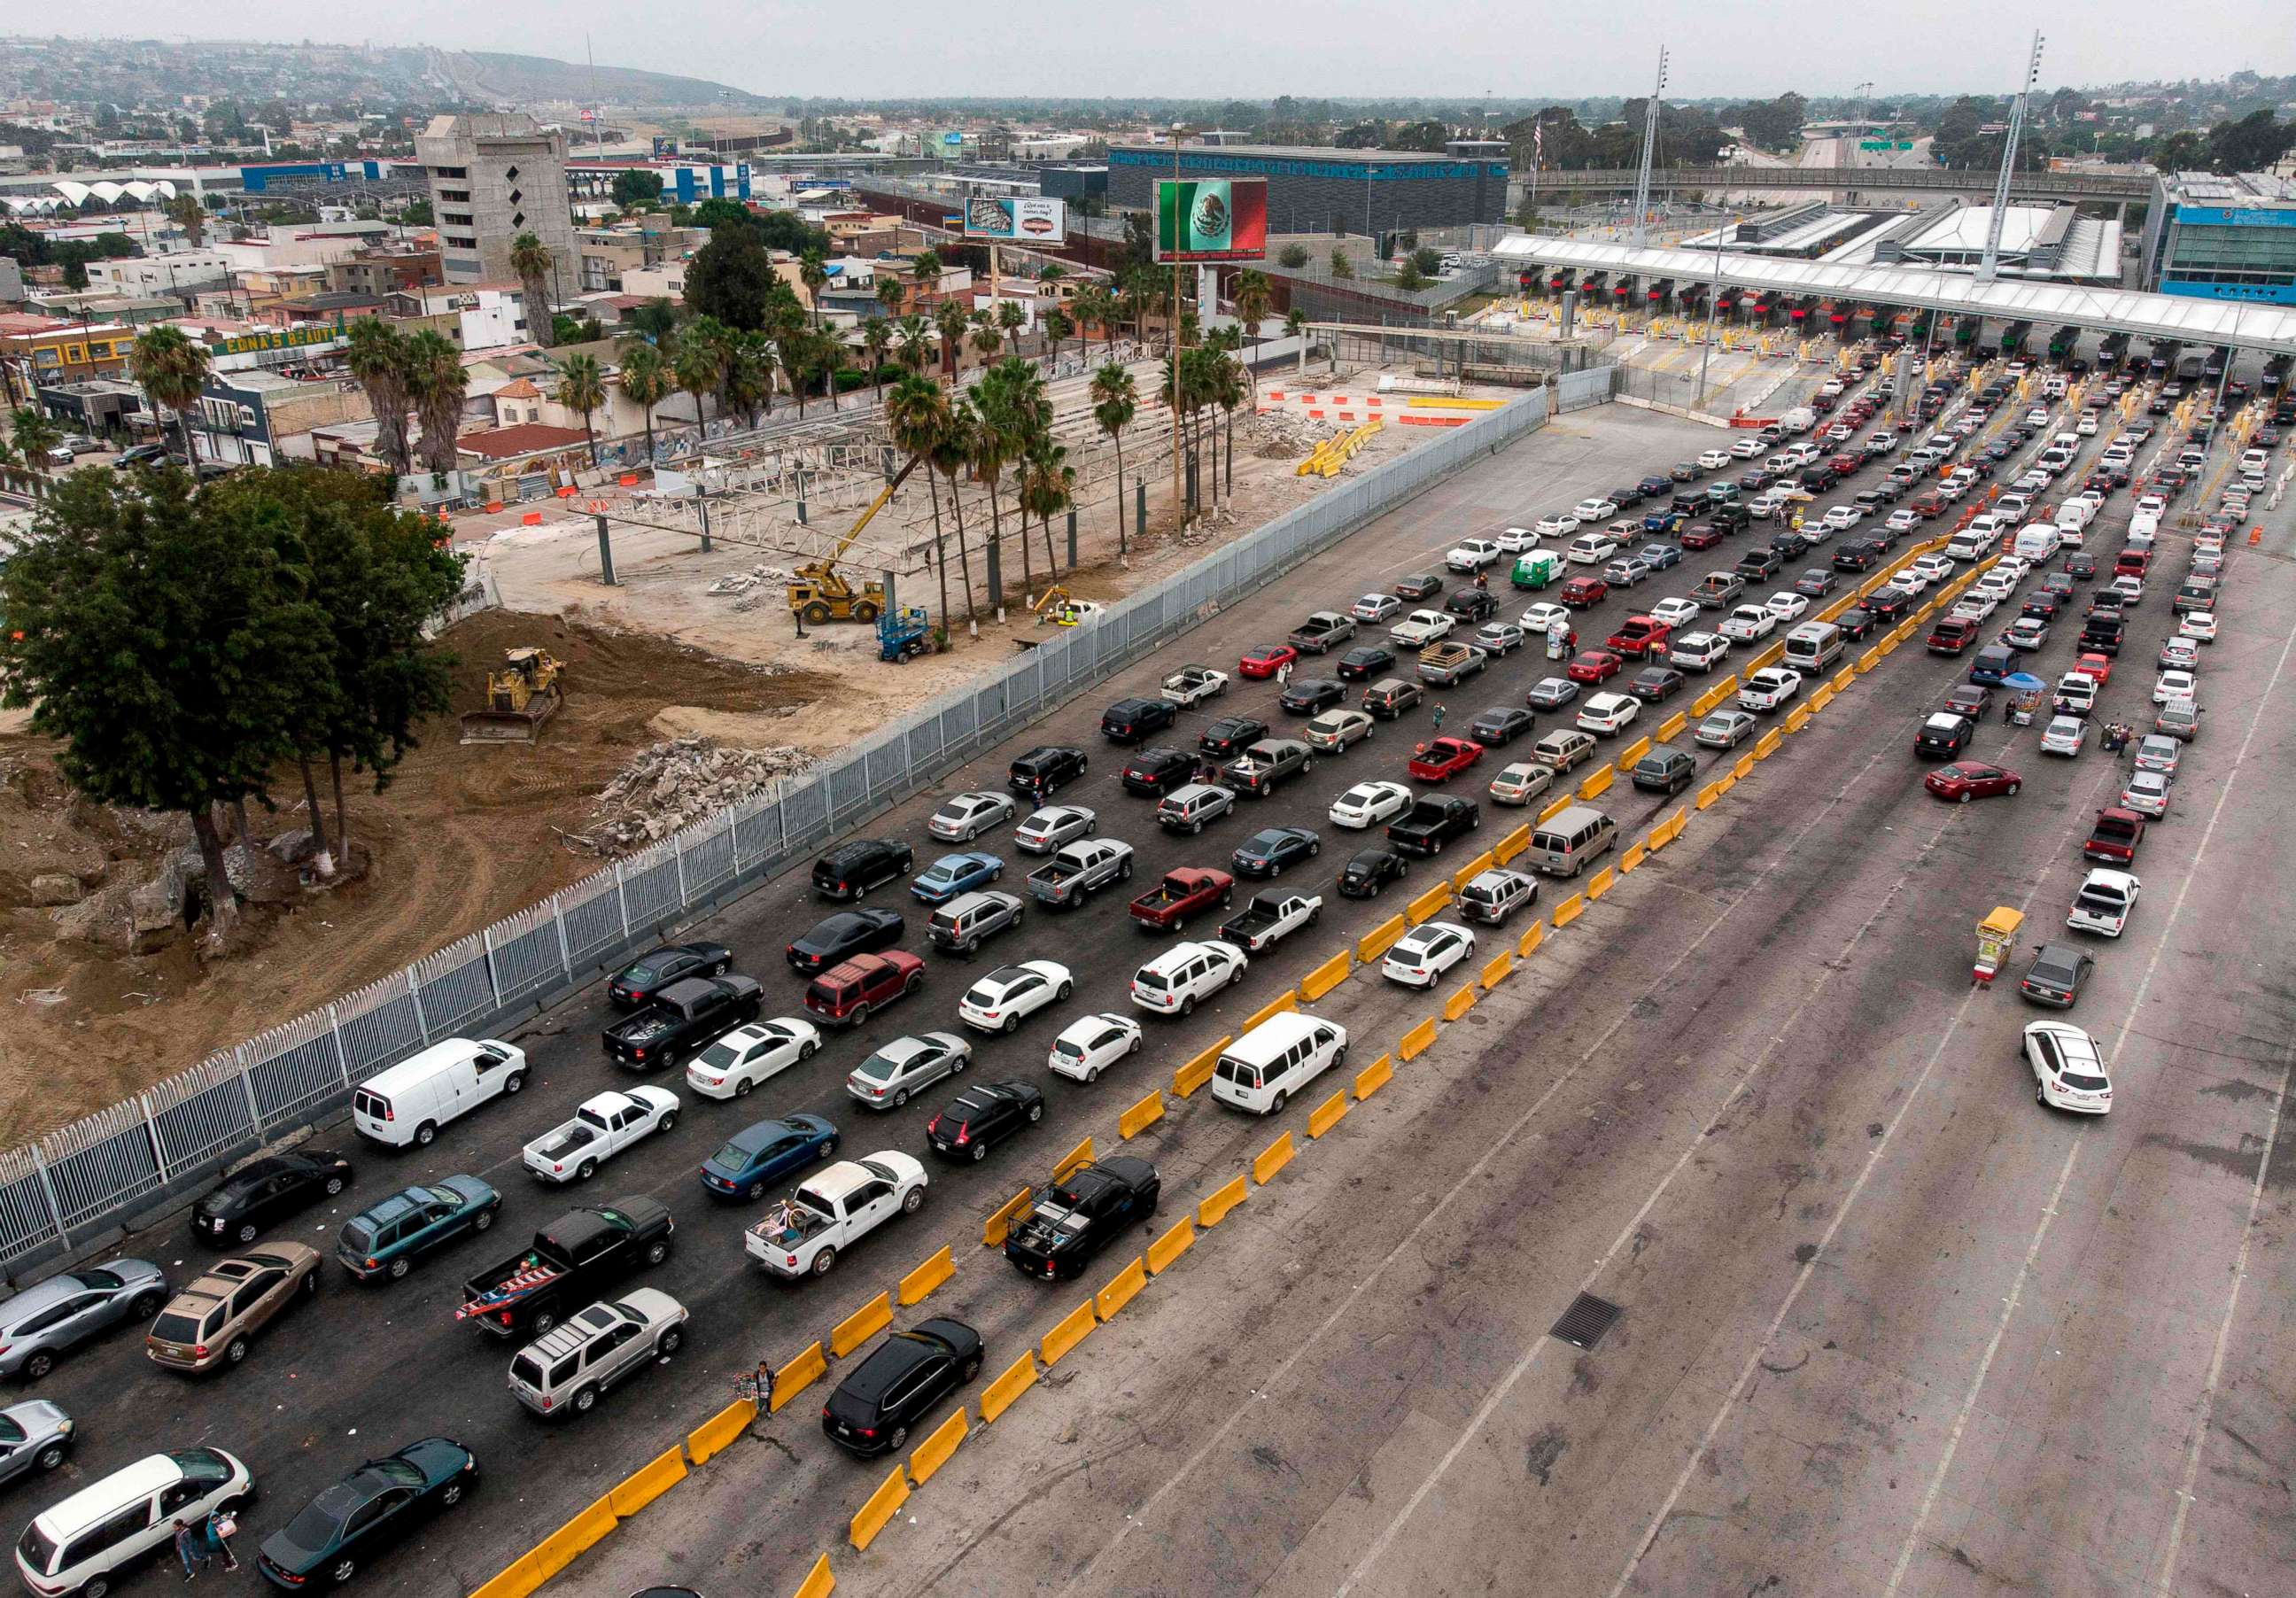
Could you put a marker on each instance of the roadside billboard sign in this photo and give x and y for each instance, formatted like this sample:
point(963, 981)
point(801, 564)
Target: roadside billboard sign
point(1026, 220)
point(1202, 219)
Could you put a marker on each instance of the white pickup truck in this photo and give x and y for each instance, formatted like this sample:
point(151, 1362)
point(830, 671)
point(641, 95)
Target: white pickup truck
point(836, 1207)
point(1271, 915)
point(602, 1129)
point(1192, 684)
point(1421, 628)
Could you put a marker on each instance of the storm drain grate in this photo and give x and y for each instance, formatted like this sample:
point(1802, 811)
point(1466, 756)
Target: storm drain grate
point(1582, 1324)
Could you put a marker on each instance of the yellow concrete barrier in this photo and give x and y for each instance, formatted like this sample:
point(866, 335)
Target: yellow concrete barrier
point(1327, 976)
point(1596, 784)
point(1169, 1247)
point(939, 1448)
point(1507, 847)
point(1140, 1117)
point(920, 1282)
point(1380, 938)
point(1327, 1115)
point(1569, 911)
point(878, 1513)
point(1767, 744)
point(1459, 1002)
point(1599, 884)
point(1072, 1329)
point(1920, 616)
point(1708, 794)
point(1671, 728)
point(564, 1545)
point(1430, 904)
point(1843, 678)
point(1888, 646)
point(1530, 941)
point(992, 1229)
point(1080, 1155)
point(861, 1326)
point(1417, 1041)
point(1796, 719)
point(1273, 1007)
point(1272, 1159)
point(647, 1483)
point(1215, 1208)
point(516, 1581)
point(1715, 695)
point(1199, 1070)
point(1744, 766)
point(1121, 1290)
point(1374, 1077)
point(1867, 662)
point(1556, 808)
point(1472, 869)
point(1821, 699)
point(714, 1435)
point(818, 1582)
point(1630, 754)
point(1768, 658)
point(788, 1381)
point(1495, 970)
point(1729, 781)
point(1632, 855)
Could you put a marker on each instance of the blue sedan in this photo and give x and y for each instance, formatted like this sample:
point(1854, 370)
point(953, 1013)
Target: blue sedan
point(953, 874)
point(1659, 557)
point(756, 1157)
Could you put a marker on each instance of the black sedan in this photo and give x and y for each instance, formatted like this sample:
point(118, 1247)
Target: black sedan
point(1501, 724)
point(1857, 622)
point(1266, 852)
point(650, 974)
point(1419, 585)
point(378, 1506)
point(2054, 977)
point(1370, 871)
point(1230, 736)
point(899, 1384)
point(1656, 685)
point(1629, 494)
point(844, 935)
point(1158, 771)
point(1311, 696)
point(1817, 582)
point(983, 1116)
point(268, 1190)
point(1371, 661)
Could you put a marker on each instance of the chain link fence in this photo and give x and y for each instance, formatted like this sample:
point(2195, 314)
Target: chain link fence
point(136, 1158)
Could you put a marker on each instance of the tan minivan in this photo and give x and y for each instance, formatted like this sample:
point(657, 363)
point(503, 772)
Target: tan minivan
point(1565, 846)
point(208, 1323)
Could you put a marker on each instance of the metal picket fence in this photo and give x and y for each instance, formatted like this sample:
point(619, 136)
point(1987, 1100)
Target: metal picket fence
point(58, 1193)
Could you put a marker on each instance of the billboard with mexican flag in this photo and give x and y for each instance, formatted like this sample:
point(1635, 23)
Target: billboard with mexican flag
point(1211, 219)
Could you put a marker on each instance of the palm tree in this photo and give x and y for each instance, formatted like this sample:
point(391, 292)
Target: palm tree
point(916, 416)
point(874, 337)
point(890, 292)
point(798, 358)
point(435, 381)
point(1047, 488)
point(646, 379)
point(1053, 273)
point(950, 320)
point(377, 359)
point(1056, 326)
point(582, 387)
point(913, 345)
point(35, 435)
point(813, 272)
point(532, 260)
point(748, 380)
point(1229, 390)
point(704, 350)
point(997, 441)
point(1027, 411)
point(952, 458)
point(1295, 325)
point(925, 270)
point(1115, 402)
point(186, 211)
point(987, 342)
point(172, 369)
point(1254, 297)
point(1093, 306)
point(1010, 318)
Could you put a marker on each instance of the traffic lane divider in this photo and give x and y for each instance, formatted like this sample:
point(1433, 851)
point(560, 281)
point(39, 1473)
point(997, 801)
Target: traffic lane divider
point(1072, 1329)
point(1472, 869)
point(1282, 1003)
point(818, 1582)
point(1374, 1077)
point(1121, 1290)
point(1495, 970)
point(1632, 855)
point(994, 1229)
point(1079, 1156)
point(1633, 752)
point(1380, 938)
point(1216, 1206)
point(1531, 940)
point(999, 1394)
point(1430, 904)
point(1569, 911)
point(1139, 1117)
point(878, 1512)
point(788, 1381)
point(939, 1448)
point(1556, 809)
point(1165, 1249)
point(1194, 1074)
point(1670, 729)
point(1327, 976)
point(1272, 1159)
point(1599, 884)
point(647, 1483)
point(1459, 1002)
point(1507, 847)
point(1416, 1041)
point(1767, 743)
point(1743, 767)
point(861, 1326)
point(1327, 1115)
point(715, 1435)
point(1596, 784)
point(920, 1282)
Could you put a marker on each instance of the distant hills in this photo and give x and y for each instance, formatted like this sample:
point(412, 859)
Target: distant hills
point(495, 76)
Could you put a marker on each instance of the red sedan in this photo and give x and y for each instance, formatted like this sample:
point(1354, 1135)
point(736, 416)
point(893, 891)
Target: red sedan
point(1443, 759)
point(1594, 666)
point(1266, 660)
point(1965, 780)
point(2094, 666)
point(1700, 535)
point(1580, 592)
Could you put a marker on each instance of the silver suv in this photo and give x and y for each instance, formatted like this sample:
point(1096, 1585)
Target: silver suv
point(50, 1318)
point(571, 1365)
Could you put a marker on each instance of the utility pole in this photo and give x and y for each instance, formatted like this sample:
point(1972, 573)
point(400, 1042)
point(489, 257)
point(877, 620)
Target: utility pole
point(1650, 152)
point(1989, 268)
point(1179, 509)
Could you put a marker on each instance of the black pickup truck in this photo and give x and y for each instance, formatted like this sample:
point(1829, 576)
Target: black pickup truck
point(684, 1018)
point(1073, 1219)
point(1433, 822)
point(571, 1263)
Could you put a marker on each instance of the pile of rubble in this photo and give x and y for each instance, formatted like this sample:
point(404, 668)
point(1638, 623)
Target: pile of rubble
point(1281, 434)
point(678, 782)
point(752, 588)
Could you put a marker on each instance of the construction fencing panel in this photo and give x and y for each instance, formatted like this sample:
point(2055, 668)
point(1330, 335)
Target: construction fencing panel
point(108, 1168)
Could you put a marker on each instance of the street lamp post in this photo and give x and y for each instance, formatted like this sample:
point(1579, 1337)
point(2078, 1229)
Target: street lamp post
point(1178, 509)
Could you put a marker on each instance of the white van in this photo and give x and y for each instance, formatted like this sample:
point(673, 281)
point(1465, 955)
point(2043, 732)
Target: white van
point(1800, 420)
point(1813, 646)
point(407, 1103)
point(1261, 1071)
point(2037, 541)
point(2143, 527)
point(81, 1545)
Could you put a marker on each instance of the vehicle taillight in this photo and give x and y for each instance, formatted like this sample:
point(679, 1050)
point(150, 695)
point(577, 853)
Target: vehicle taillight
point(545, 1403)
point(504, 1317)
point(790, 1261)
point(933, 1125)
point(199, 1350)
point(371, 1266)
point(963, 1135)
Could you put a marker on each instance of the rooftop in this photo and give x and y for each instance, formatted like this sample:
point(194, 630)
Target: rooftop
point(2240, 192)
point(527, 437)
point(1313, 152)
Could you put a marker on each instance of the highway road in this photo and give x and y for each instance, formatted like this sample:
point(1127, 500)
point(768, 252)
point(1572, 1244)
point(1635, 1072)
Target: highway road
point(1795, 961)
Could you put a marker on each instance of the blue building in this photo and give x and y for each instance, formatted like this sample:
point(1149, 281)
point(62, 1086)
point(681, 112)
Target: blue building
point(2222, 238)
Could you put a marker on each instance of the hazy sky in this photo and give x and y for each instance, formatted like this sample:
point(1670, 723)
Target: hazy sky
point(1450, 48)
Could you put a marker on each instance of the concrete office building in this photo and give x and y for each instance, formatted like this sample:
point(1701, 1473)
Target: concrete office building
point(492, 178)
point(2222, 238)
point(1314, 190)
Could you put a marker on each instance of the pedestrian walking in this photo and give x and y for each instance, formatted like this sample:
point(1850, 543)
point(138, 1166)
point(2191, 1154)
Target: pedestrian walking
point(191, 1548)
point(1283, 675)
point(221, 1528)
point(1438, 715)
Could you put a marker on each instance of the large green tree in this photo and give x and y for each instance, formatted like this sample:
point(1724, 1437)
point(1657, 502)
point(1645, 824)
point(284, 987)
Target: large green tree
point(732, 279)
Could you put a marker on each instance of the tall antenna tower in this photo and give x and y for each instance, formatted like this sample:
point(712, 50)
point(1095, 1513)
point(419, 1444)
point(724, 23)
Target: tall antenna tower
point(1989, 268)
point(1650, 154)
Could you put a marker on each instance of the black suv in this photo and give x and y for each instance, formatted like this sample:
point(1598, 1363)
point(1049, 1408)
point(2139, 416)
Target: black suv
point(983, 1116)
point(1129, 720)
point(1475, 605)
point(1045, 770)
point(852, 869)
point(1158, 771)
point(873, 1409)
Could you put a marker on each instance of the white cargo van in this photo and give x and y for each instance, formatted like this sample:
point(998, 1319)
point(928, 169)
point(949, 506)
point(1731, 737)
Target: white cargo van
point(1800, 420)
point(2143, 527)
point(1261, 1071)
point(407, 1103)
point(2037, 541)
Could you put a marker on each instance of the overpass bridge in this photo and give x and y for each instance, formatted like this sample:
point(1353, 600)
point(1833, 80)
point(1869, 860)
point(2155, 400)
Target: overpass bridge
point(2110, 187)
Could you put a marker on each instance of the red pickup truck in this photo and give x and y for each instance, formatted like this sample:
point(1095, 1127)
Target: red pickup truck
point(1185, 891)
point(1443, 759)
point(1640, 635)
point(2115, 837)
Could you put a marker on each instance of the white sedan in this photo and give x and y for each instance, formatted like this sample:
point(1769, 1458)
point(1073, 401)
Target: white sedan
point(1541, 619)
point(1087, 1048)
point(1902, 521)
point(1714, 460)
point(1561, 525)
point(2199, 625)
point(1002, 1000)
point(1675, 612)
point(1422, 955)
point(2068, 1069)
point(1368, 803)
point(1595, 510)
point(748, 1055)
point(1787, 606)
point(1770, 688)
point(1516, 540)
point(1048, 829)
point(1842, 518)
point(2175, 684)
point(968, 815)
point(1746, 449)
point(1607, 714)
point(1749, 624)
point(1472, 554)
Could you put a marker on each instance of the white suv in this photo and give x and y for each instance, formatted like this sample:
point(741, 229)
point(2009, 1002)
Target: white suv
point(1174, 981)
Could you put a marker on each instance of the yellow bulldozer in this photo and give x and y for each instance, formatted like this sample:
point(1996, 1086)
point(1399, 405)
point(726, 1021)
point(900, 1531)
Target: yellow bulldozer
point(520, 698)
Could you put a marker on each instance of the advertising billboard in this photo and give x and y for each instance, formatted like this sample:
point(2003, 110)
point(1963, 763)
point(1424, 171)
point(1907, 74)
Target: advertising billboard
point(1029, 220)
point(1211, 219)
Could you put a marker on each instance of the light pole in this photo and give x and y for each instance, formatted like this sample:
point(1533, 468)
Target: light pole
point(1713, 295)
point(1178, 510)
